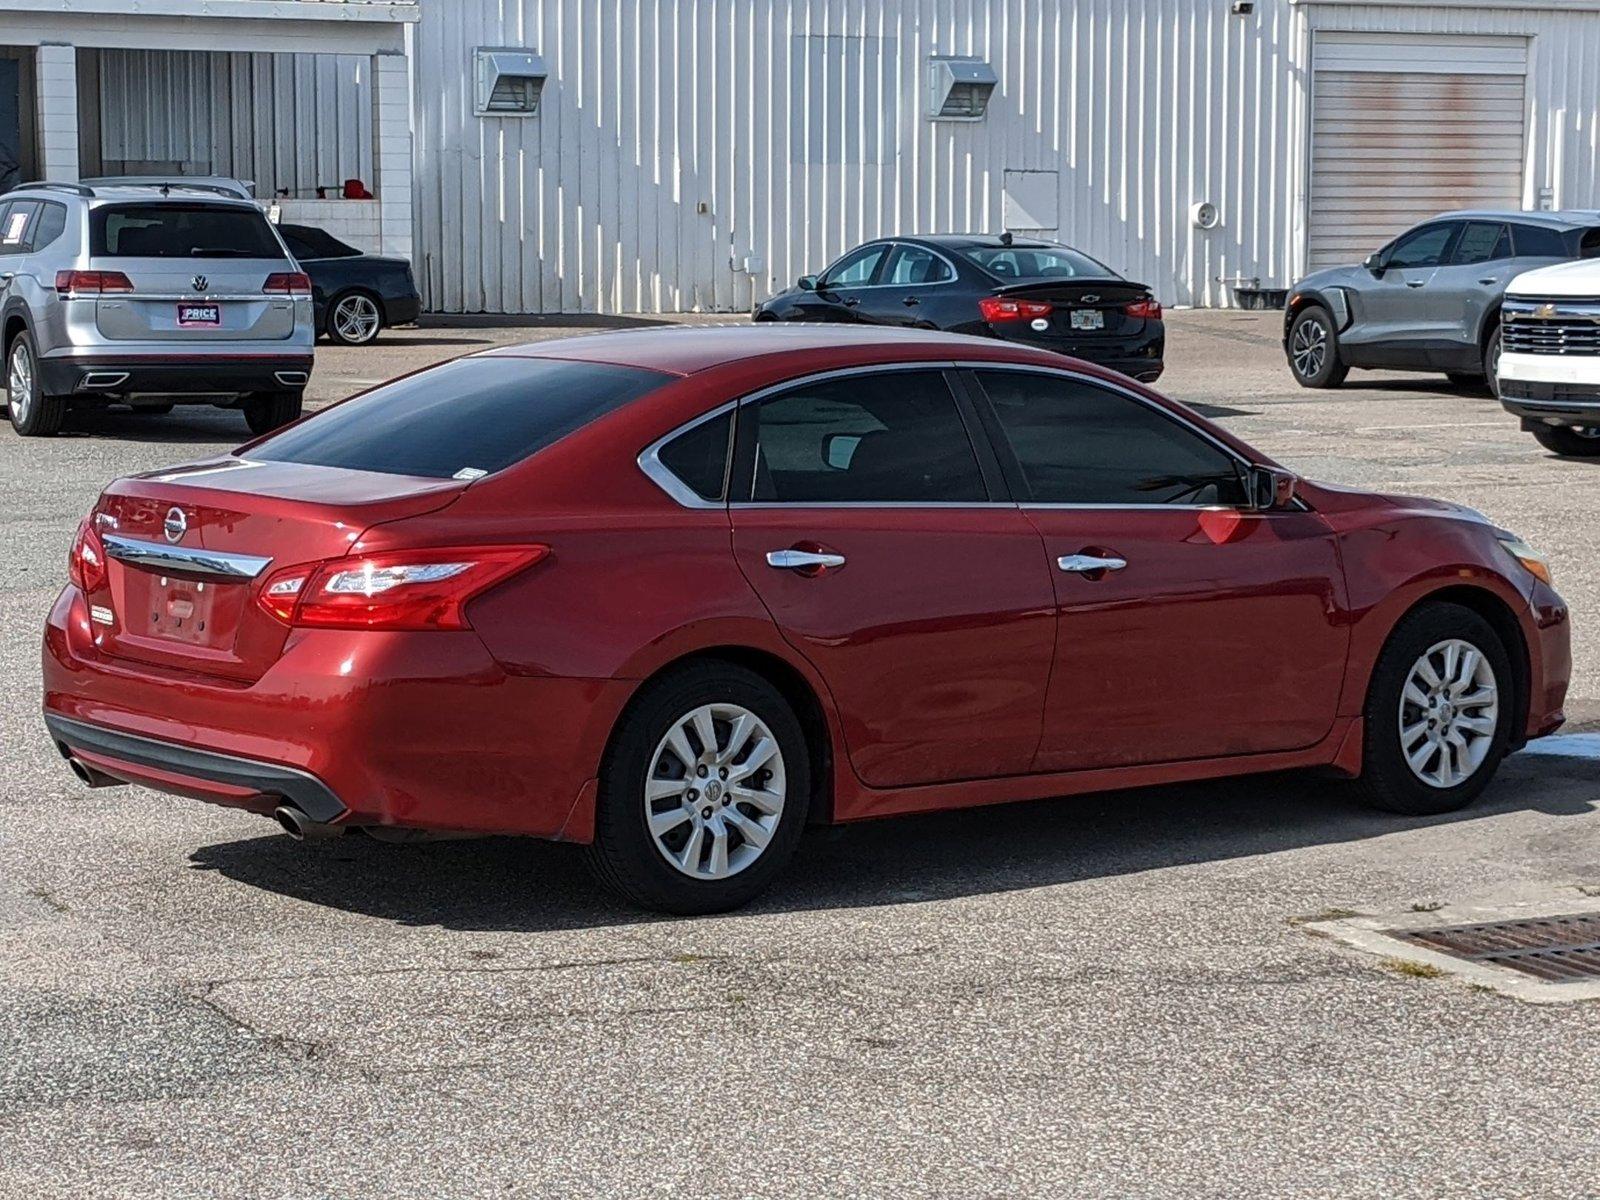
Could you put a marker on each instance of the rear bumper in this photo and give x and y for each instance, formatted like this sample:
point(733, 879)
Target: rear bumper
point(176, 375)
point(402, 310)
point(420, 730)
point(1140, 357)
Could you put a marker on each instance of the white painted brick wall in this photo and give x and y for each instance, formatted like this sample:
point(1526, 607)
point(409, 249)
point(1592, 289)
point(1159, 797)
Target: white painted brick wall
point(56, 72)
point(358, 222)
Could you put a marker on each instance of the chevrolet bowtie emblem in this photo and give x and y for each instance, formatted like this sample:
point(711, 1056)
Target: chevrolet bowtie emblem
point(1545, 311)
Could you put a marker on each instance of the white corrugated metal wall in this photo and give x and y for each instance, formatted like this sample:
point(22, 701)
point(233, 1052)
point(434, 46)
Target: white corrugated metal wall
point(294, 121)
point(680, 137)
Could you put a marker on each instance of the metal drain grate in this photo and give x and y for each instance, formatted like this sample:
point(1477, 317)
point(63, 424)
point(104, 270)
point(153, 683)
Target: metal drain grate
point(1555, 949)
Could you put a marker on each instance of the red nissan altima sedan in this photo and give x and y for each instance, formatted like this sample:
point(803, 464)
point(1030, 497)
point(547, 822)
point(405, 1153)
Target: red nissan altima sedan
point(676, 594)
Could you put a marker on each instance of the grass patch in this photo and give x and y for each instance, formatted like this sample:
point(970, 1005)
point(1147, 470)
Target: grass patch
point(1413, 970)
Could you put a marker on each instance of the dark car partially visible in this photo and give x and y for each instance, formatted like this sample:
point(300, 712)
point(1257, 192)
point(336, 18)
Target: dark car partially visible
point(356, 295)
point(1035, 293)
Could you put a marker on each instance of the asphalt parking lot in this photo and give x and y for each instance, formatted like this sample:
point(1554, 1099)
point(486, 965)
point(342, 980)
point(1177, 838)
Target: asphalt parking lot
point(1107, 996)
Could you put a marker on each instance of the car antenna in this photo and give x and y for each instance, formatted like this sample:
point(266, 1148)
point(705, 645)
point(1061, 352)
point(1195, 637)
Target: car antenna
point(1005, 238)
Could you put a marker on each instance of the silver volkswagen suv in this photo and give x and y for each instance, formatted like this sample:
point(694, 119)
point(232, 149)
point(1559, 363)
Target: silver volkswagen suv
point(148, 294)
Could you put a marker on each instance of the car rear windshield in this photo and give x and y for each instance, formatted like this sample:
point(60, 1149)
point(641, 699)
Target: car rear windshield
point(1036, 262)
point(181, 231)
point(460, 420)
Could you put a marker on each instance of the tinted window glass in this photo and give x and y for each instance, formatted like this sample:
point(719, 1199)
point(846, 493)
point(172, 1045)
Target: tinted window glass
point(1482, 242)
point(14, 223)
point(1039, 262)
point(1424, 247)
point(50, 225)
point(857, 268)
point(307, 241)
point(1534, 241)
point(181, 231)
point(867, 438)
point(699, 456)
point(914, 264)
point(1081, 444)
point(473, 415)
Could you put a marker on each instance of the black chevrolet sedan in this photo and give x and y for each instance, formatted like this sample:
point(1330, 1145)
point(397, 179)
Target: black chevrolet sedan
point(355, 294)
point(1039, 293)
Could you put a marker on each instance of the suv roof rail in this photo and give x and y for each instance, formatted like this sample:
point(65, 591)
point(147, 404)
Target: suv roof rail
point(77, 188)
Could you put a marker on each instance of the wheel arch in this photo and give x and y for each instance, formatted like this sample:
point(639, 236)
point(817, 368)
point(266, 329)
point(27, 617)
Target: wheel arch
point(12, 322)
point(1502, 619)
point(350, 289)
point(795, 687)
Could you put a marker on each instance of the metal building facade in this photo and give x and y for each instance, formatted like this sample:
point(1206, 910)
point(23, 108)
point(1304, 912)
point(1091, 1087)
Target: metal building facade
point(696, 154)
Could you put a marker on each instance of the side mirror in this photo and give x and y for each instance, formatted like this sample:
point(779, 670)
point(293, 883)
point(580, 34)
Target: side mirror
point(1374, 262)
point(1272, 488)
point(806, 283)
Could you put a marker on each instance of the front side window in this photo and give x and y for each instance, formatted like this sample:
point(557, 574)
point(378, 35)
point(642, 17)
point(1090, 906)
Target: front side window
point(463, 419)
point(1482, 242)
point(855, 269)
point(912, 265)
point(172, 230)
point(1078, 443)
point(894, 437)
point(14, 222)
point(1425, 247)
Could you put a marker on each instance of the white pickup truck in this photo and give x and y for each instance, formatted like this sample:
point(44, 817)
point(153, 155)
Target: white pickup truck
point(1548, 372)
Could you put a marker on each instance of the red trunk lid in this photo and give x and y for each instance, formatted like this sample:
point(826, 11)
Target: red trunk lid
point(250, 519)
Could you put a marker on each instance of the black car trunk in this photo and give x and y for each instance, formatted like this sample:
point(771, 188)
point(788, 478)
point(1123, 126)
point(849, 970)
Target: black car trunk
point(1082, 308)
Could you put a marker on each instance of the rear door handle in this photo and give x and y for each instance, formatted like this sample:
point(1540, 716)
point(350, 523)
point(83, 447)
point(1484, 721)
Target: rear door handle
point(803, 560)
point(1415, 282)
point(1491, 279)
point(1081, 564)
point(911, 302)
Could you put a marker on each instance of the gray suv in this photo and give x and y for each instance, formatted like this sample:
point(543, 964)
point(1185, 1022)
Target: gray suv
point(1430, 299)
point(148, 294)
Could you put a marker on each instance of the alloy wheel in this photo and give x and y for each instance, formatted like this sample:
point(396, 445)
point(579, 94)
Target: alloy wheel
point(715, 790)
point(1449, 711)
point(355, 319)
point(19, 382)
point(1309, 348)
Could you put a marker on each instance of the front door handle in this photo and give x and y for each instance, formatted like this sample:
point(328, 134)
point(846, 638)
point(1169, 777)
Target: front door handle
point(1491, 279)
point(1415, 282)
point(911, 302)
point(851, 301)
point(811, 562)
point(1083, 564)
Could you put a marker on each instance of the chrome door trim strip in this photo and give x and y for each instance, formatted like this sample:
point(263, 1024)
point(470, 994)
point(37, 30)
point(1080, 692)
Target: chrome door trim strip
point(213, 564)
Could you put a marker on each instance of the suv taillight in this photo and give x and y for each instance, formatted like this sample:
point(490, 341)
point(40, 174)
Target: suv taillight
point(1148, 309)
point(91, 283)
point(86, 564)
point(998, 308)
point(397, 589)
point(288, 283)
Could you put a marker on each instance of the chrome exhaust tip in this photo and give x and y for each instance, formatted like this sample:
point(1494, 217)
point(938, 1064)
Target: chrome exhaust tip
point(88, 776)
point(292, 378)
point(100, 381)
point(301, 827)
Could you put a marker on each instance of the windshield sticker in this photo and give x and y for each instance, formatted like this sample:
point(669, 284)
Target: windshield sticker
point(14, 227)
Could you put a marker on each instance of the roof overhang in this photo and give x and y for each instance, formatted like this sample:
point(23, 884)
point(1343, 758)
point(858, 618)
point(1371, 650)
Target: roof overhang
point(285, 26)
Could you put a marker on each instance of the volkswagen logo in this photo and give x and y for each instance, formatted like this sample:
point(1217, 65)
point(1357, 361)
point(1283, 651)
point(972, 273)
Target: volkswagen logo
point(1091, 298)
point(176, 525)
point(201, 283)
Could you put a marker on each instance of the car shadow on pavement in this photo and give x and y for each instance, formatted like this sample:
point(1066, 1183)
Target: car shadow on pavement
point(200, 424)
point(522, 885)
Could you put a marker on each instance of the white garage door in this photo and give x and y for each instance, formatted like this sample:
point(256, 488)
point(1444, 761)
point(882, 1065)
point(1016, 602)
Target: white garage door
point(1405, 126)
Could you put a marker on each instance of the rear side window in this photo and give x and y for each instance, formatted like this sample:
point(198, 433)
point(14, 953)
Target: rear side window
point(1535, 241)
point(1482, 242)
point(51, 224)
point(181, 231)
point(1077, 443)
point(888, 438)
point(460, 420)
point(698, 457)
point(1589, 244)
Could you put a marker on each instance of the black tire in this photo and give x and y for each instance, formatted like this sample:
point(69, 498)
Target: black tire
point(1311, 328)
point(1491, 362)
point(1569, 443)
point(33, 414)
point(266, 411)
point(1465, 381)
point(1387, 781)
point(625, 857)
point(370, 325)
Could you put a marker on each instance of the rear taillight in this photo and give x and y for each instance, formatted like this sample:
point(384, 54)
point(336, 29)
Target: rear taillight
point(86, 564)
point(91, 283)
point(398, 589)
point(288, 283)
point(1147, 309)
point(999, 308)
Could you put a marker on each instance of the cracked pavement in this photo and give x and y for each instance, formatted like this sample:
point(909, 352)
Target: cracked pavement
point(1108, 996)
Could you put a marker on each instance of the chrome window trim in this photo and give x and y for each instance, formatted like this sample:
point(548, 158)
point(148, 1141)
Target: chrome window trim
point(656, 471)
point(893, 245)
point(650, 462)
point(213, 564)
